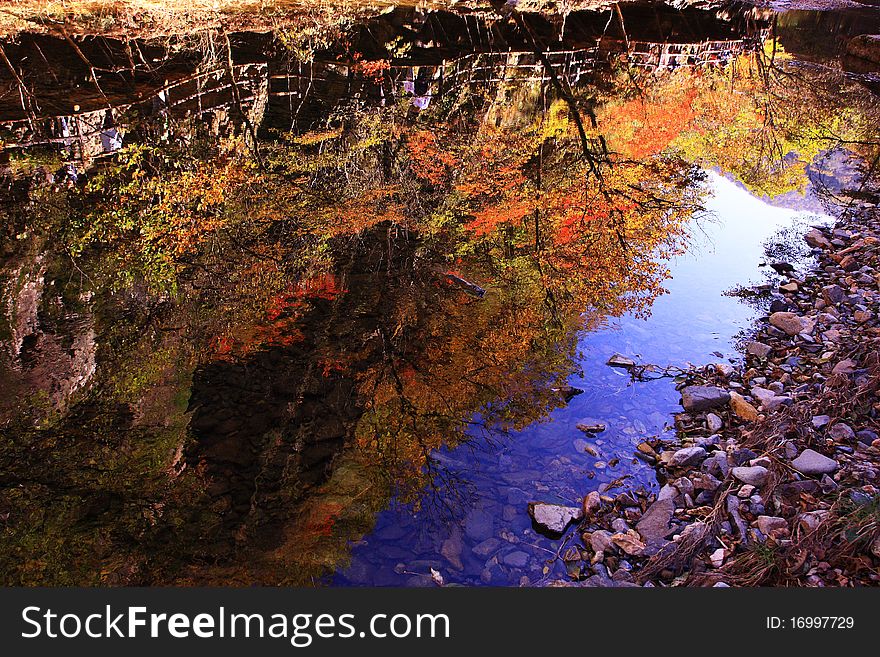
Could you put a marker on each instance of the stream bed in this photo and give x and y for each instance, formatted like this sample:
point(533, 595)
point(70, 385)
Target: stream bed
point(474, 527)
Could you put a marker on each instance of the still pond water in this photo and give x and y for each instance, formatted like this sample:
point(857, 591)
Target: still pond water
point(482, 498)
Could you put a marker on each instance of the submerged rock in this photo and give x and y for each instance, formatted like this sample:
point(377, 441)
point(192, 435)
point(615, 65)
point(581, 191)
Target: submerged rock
point(591, 427)
point(451, 549)
point(554, 518)
point(478, 525)
point(517, 559)
point(487, 547)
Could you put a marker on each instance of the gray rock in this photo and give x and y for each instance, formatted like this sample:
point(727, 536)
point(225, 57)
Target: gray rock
point(684, 486)
point(763, 395)
point(816, 239)
point(820, 421)
point(554, 518)
point(705, 481)
point(788, 322)
point(846, 366)
point(742, 456)
point(719, 464)
point(688, 456)
point(713, 422)
point(619, 360)
point(810, 520)
point(770, 525)
point(619, 525)
point(654, 524)
point(758, 349)
point(775, 402)
point(842, 433)
point(707, 441)
point(756, 475)
point(597, 581)
point(601, 541)
point(745, 491)
point(667, 492)
point(860, 497)
point(827, 484)
point(736, 517)
point(813, 463)
point(866, 436)
point(703, 398)
point(833, 294)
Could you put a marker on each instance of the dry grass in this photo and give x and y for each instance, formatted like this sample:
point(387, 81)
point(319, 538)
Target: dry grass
point(840, 543)
point(153, 18)
point(169, 17)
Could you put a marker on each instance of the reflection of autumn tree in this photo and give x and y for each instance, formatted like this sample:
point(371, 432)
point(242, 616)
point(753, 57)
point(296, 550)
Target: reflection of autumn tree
point(361, 246)
point(762, 118)
point(518, 212)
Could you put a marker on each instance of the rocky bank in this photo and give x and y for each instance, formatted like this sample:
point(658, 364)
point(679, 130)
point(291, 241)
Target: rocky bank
point(773, 476)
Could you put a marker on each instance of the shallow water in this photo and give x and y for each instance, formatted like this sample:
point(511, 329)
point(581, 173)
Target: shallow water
point(696, 322)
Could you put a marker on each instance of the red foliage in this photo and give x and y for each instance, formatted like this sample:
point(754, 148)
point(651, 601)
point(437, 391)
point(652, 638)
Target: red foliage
point(374, 69)
point(509, 211)
point(429, 162)
point(319, 286)
point(654, 123)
